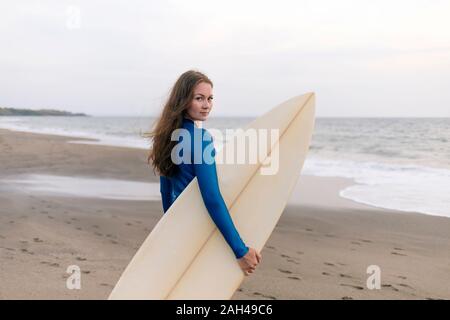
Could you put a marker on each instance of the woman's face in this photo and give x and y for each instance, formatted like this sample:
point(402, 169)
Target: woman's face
point(202, 102)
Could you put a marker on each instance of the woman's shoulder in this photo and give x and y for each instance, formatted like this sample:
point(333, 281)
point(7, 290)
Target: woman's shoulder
point(206, 133)
point(164, 178)
point(189, 125)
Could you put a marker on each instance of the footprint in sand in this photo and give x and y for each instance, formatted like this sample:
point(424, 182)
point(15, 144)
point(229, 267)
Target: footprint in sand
point(347, 298)
point(262, 295)
point(85, 271)
point(390, 286)
point(398, 254)
point(37, 240)
point(285, 271)
point(352, 286)
point(105, 285)
point(270, 247)
point(292, 261)
point(405, 286)
point(98, 234)
point(114, 242)
point(95, 226)
point(128, 224)
point(342, 275)
point(79, 228)
point(294, 278)
point(402, 277)
point(366, 240)
point(356, 242)
point(329, 264)
point(399, 249)
point(325, 273)
point(26, 251)
point(309, 229)
point(81, 259)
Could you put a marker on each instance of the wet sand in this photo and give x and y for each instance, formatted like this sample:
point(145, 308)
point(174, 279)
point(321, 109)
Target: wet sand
point(320, 249)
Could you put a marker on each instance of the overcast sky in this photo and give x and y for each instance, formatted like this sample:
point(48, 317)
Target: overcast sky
point(360, 57)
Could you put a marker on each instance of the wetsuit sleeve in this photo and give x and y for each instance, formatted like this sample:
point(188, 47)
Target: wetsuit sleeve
point(209, 187)
point(166, 192)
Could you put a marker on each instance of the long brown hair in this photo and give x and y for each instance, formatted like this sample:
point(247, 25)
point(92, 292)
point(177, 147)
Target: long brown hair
point(171, 118)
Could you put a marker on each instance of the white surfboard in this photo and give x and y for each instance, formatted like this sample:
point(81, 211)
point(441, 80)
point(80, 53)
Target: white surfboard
point(185, 256)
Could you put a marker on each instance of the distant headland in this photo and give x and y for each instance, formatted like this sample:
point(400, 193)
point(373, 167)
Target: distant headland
point(41, 112)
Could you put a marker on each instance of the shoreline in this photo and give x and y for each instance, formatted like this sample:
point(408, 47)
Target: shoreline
point(320, 248)
point(342, 181)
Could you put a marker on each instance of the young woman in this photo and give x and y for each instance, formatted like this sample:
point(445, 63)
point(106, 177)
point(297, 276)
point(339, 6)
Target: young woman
point(190, 103)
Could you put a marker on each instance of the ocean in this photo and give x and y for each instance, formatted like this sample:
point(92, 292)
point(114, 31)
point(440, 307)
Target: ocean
point(397, 163)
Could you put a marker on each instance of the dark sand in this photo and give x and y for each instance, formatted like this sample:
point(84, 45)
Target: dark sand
point(320, 249)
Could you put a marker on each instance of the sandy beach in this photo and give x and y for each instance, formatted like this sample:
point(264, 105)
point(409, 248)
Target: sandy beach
point(320, 249)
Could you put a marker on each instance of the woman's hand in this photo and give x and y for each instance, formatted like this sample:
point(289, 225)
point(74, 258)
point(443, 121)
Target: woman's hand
point(249, 262)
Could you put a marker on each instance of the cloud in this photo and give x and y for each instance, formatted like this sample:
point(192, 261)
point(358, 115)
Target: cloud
point(125, 56)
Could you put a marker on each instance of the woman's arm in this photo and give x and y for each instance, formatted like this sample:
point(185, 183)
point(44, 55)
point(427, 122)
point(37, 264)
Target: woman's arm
point(209, 187)
point(166, 192)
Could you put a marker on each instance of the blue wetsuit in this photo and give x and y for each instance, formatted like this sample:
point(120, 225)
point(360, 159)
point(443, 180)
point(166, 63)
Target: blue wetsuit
point(206, 174)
